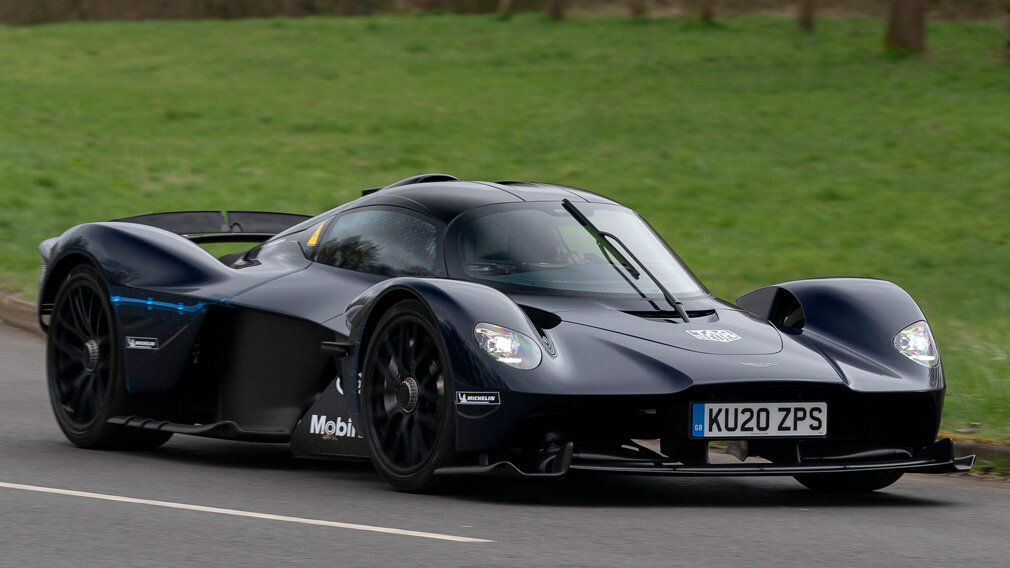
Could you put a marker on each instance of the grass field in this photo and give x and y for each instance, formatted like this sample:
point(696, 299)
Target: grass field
point(761, 155)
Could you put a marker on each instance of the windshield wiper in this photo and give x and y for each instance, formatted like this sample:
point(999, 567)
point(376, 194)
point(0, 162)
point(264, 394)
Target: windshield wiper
point(604, 238)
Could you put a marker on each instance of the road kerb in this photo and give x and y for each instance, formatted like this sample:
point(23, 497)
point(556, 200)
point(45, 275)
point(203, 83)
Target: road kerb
point(19, 313)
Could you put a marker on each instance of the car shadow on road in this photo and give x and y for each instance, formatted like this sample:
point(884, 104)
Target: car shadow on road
point(584, 490)
point(600, 490)
point(221, 454)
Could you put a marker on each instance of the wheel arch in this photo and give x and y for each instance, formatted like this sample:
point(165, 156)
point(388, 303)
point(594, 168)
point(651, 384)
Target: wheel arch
point(454, 305)
point(380, 306)
point(53, 278)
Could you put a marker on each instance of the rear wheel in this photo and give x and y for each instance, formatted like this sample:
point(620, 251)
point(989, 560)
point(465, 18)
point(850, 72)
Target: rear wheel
point(854, 482)
point(406, 398)
point(84, 367)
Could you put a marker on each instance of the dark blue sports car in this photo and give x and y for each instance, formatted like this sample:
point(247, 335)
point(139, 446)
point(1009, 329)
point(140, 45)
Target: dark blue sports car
point(443, 328)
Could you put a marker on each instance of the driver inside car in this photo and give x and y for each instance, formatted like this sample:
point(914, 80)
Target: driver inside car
point(541, 246)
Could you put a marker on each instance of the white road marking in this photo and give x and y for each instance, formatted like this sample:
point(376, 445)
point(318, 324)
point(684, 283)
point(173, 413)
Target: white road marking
point(236, 513)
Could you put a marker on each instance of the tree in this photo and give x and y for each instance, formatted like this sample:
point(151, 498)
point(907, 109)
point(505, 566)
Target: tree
point(345, 7)
point(906, 26)
point(808, 10)
point(704, 11)
point(639, 8)
point(1006, 49)
point(505, 7)
point(556, 9)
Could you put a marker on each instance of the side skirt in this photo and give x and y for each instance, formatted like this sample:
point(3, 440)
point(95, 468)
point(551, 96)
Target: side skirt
point(225, 430)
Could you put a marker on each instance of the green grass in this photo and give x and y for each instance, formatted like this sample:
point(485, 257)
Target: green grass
point(761, 155)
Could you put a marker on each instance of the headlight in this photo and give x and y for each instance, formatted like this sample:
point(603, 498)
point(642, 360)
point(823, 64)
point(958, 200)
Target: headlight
point(507, 346)
point(916, 343)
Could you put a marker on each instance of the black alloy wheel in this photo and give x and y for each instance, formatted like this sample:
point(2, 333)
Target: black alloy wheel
point(406, 398)
point(82, 340)
point(84, 367)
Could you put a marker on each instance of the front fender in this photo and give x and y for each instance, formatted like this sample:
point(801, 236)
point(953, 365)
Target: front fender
point(850, 320)
point(456, 306)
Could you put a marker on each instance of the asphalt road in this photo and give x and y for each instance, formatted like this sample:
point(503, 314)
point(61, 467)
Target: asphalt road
point(595, 521)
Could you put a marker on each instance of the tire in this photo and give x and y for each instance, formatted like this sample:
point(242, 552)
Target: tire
point(855, 482)
point(407, 399)
point(84, 368)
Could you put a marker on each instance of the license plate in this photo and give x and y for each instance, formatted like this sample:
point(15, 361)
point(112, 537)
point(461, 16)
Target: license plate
point(759, 419)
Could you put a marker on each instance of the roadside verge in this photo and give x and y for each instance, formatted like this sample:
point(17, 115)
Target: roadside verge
point(19, 313)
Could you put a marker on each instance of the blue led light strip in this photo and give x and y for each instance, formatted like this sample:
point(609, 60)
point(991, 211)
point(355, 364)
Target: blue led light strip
point(153, 304)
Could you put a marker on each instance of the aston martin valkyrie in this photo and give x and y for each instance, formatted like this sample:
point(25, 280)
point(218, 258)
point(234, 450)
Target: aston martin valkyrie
point(447, 328)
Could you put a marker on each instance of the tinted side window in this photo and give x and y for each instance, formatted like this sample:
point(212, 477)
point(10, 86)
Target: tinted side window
point(381, 242)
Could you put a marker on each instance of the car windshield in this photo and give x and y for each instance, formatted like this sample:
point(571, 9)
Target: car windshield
point(541, 246)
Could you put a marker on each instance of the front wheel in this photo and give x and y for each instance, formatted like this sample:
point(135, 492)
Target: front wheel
point(407, 398)
point(849, 482)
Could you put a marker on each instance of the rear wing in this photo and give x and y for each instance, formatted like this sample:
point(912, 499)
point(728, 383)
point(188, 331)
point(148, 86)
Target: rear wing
point(220, 226)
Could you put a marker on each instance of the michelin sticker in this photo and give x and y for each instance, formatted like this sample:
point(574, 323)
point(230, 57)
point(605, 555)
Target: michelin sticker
point(142, 343)
point(478, 398)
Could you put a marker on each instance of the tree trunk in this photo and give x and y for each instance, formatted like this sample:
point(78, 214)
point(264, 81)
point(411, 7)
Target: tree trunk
point(405, 5)
point(1006, 49)
point(705, 11)
point(506, 6)
point(906, 26)
point(288, 8)
point(80, 10)
point(808, 10)
point(639, 8)
point(556, 10)
point(345, 7)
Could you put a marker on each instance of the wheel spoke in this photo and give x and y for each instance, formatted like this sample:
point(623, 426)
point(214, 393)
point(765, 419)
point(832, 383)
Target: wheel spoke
point(72, 352)
point(389, 379)
point(87, 405)
point(99, 390)
point(420, 356)
point(81, 380)
point(70, 327)
point(389, 436)
point(401, 347)
point(428, 422)
point(433, 373)
point(68, 387)
point(74, 400)
point(394, 355)
point(92, 316)
point(422, 444)
point(429, 396)
point(101, 325)
point(402, 443)
point(410, 446)
point(80, 313)
point(410, 355)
